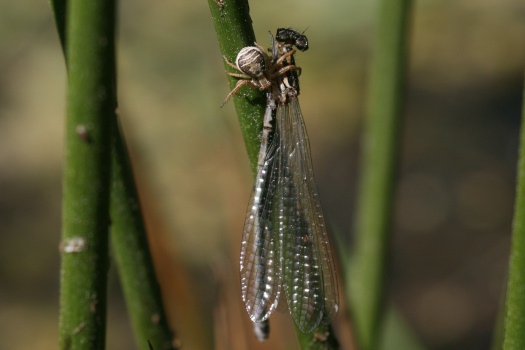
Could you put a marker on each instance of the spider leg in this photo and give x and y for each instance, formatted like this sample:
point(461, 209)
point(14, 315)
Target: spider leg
point(281, 70)
point(230, 64)
point(267, 57)
point(260, 47)
point(239, 84)
point(285, 56)
point(278, 65)
point(239, 75)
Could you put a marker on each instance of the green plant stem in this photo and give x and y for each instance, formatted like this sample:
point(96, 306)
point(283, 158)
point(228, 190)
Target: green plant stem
point(322, 338)
point(233, 26)
point(85, 219)
point(514, 334)
point(59, 14)
point(130, 245)
point(499, 324)
point(128, 233)
point(378, 172)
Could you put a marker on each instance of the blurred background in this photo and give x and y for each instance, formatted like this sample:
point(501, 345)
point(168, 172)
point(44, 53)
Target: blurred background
point(454, 196)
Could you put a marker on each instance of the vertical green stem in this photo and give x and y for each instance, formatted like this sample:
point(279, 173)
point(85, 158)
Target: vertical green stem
point(323, 338)
point(128, 234)
point(514, 335)
point(59, 13)
point(378, 172)
point(233, 26)
point(131, 248)
point(85, 220)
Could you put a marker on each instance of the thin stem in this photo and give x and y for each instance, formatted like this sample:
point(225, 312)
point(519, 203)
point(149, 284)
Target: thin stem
point(514, 334)
point(378, 172)
point(128, 234)
point(59, 14)
point(323, 338)
point(130, 245)
point(85, 219)
point(233, 26)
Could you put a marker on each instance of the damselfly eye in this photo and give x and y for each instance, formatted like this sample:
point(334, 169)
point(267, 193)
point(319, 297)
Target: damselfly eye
point(301, 42)
point(251, 61)
point(289, 36)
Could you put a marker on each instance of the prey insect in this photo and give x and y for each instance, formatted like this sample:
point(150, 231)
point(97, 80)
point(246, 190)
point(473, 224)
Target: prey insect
point(285, 250)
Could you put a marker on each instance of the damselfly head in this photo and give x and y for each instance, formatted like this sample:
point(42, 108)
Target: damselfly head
point(252, 61)
point(289, 36)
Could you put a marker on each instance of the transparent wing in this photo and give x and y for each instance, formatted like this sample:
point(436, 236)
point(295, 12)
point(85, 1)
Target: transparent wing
point(260, 266)
point(308, 266)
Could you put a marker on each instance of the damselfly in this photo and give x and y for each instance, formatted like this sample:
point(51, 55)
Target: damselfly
point(285, 243)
